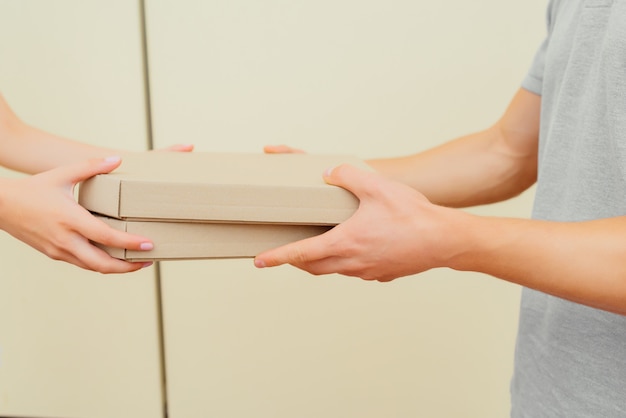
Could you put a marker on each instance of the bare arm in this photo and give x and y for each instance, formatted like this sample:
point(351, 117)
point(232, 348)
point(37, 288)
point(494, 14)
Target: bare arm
point(484, 167)
point(397, 231)
point(584, 262)
point(40, 210)
point(28, 149)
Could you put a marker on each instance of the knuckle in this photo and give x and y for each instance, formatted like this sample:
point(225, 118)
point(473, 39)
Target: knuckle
point(298, 255)
point(315, 271)
point(56, 249)
point(370, 277)
point(378, 189)
point(104, 236)
point(98, 267)
point(55, 253)
point(339, 172)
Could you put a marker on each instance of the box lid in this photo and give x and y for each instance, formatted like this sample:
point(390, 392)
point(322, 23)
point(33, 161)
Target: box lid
point(222, 187)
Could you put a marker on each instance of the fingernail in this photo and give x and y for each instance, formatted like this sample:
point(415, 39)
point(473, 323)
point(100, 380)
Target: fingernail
point(259, 263)
point(146, 246)
point(328, 171)
point(147, 264)
point(113, 159)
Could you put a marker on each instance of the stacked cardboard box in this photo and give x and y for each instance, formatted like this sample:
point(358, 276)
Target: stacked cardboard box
point(217, 205)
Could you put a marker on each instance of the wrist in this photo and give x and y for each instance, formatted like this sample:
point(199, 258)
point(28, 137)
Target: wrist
point(475, 239)
point(4, 202)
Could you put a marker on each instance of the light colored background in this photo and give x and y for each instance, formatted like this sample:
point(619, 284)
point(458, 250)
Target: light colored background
point(370, 78)
point(73, 343)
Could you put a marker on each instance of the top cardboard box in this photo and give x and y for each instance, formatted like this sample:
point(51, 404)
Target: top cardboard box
point(220, 187)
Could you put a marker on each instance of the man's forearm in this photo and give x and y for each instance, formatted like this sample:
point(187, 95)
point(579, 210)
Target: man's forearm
point(584, 262)
point(465, 172)
point(397, 232)
point(484, 167)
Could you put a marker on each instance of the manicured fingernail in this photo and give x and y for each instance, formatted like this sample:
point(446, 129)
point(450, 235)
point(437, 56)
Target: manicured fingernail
point(147, 264)
point(113, 159)
point(328, 171)
point(146, 246)
point(259, 263)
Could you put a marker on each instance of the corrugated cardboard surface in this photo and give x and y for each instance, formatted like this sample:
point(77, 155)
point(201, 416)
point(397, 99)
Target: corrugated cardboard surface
point(256, 188)
point(199, 240)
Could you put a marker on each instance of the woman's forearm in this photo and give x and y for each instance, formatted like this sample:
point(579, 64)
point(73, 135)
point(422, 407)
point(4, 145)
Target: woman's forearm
point(30, 150)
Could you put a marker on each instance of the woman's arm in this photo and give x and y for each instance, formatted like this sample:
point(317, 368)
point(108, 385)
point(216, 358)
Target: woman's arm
point(27, 149)
point(41, 211)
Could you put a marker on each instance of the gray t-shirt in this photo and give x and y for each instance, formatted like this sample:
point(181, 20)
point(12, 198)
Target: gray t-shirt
point(570, 359)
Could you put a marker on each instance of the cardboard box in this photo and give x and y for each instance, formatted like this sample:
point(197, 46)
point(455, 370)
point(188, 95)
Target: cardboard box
point(250, 188)
point(200, 240)
point(216, 205)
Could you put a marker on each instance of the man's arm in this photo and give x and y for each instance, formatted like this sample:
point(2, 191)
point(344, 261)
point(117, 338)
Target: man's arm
point(584, 262)
point(397, 231)
point(484, 167)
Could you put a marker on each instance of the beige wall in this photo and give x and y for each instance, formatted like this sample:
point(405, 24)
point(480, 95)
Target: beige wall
point(73, 343)
point(370, 78)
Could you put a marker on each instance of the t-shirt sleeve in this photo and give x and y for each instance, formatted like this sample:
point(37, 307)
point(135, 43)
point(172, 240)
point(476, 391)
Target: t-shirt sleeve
point(533, 81)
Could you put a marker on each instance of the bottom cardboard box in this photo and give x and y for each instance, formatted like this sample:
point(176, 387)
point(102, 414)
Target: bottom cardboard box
point(197, 240)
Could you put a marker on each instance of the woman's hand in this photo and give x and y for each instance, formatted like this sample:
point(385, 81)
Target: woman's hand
point(41, 211)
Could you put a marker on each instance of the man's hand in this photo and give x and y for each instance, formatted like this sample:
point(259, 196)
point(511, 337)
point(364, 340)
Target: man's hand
point(395, 232)
point(41, 211)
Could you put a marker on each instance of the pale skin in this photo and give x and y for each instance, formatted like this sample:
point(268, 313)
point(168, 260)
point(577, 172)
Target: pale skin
point(407, 222)
point(41, 210)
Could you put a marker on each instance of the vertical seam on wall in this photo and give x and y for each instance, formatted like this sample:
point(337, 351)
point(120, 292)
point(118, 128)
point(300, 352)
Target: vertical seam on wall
point(146, 74)
point(150, 145)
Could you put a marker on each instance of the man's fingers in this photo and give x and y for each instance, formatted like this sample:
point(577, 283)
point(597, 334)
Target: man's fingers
point(296, 253)
point(323, 266)
point(360, 182)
